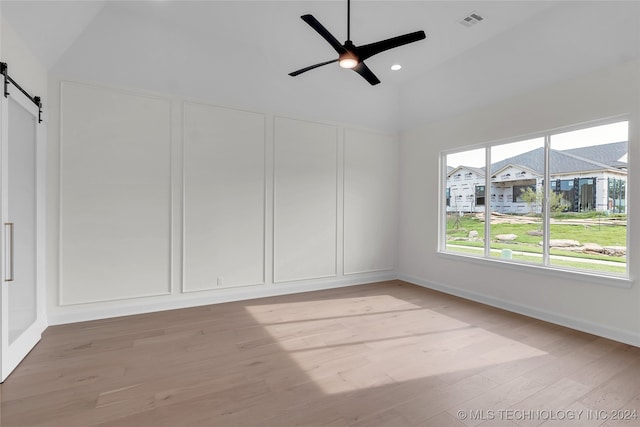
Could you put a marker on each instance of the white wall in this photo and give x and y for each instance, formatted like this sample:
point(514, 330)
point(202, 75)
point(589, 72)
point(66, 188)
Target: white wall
point(223, 237)
point(160, 202)
point(305, 200)
point(115, 192)
point(571, 300)
point(371, 201)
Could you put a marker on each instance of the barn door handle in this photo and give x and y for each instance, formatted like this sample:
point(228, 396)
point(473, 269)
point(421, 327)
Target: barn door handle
point(8, 250)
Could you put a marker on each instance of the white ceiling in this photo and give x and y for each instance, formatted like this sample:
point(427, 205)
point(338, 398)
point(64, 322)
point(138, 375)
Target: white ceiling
point(50, 27)
point(239, 53)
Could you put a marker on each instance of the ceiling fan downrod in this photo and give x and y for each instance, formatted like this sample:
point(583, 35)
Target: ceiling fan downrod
point(348, 20)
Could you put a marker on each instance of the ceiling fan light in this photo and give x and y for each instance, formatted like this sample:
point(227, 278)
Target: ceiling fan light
point(348, 63)
point(348, 60)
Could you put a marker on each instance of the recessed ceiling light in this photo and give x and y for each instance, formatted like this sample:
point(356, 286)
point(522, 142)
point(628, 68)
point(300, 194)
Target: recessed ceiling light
point(396, 67)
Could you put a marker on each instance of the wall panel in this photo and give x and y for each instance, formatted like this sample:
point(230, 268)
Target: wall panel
point(224, 171)
point(305, 200)
point(370, 201)
point(115, 195)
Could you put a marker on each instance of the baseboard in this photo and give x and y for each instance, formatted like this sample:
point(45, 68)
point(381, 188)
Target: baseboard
point(624, 336)
point(105, 310)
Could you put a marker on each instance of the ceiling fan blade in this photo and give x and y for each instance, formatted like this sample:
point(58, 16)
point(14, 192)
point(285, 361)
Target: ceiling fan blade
point(368, 50)
point(311, 67)
point(365, 72)
point(320, 29)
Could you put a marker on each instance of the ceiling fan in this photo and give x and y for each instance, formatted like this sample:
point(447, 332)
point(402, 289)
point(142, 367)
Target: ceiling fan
point(352, 56)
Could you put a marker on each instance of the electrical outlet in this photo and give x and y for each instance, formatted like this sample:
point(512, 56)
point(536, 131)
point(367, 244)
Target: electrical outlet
point(220, 281)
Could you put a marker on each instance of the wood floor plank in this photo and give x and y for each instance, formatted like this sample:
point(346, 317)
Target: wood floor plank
point(381, 354)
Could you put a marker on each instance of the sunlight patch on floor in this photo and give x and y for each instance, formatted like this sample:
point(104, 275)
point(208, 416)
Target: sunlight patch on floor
point(356, 343)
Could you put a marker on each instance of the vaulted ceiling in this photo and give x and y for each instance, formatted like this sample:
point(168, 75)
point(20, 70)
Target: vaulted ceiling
point(238, 53)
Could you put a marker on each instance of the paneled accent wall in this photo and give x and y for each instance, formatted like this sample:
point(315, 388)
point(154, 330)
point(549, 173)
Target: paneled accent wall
point(305, 200)
point(168, 203)
point(224, 197)
point(370, 204)
point(115, 195)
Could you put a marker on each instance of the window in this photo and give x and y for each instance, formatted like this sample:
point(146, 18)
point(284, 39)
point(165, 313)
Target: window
point(480, 195)
point(566, 195)
point(520, 191)
point(575, 222)
point(616, 195)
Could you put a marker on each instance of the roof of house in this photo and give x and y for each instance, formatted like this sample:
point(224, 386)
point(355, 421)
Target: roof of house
point(594, 158)
point(609, 154)
point(506, 167)
point(478, 171)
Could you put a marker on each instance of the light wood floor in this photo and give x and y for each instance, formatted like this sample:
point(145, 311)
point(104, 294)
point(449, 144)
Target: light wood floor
point(384, 354)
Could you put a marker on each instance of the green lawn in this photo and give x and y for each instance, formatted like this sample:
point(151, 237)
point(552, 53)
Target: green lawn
point(605, 233)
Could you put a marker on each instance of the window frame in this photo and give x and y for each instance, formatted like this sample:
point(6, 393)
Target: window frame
point(611, 279)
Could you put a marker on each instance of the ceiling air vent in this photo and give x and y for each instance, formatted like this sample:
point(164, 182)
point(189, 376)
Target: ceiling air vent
point(471, 19)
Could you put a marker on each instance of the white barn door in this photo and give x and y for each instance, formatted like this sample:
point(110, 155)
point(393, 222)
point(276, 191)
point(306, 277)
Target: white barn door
point(22, 155)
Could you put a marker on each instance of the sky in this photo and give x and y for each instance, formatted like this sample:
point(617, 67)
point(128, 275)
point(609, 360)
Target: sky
point(604, 134)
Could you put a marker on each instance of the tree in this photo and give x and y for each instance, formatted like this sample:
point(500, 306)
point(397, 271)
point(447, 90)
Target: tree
point(535, 198)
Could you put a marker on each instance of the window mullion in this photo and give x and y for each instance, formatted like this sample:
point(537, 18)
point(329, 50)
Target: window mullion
point(546, 218)
point(487, 202)
point(442, 239)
